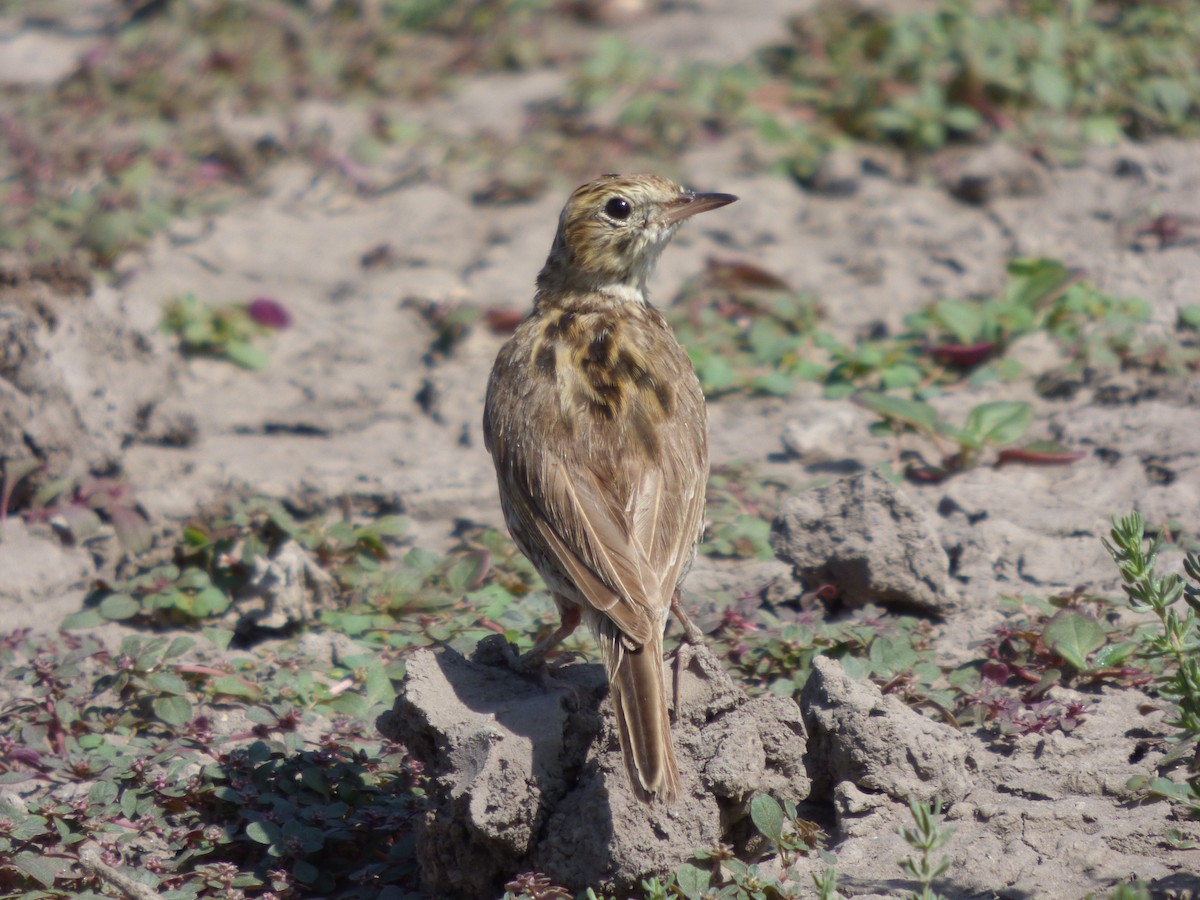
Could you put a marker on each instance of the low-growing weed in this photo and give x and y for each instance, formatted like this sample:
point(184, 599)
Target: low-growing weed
point(126, 743)
point(81, 507)
point(745, 330)
point(926, 835)
point(226, 332)
point(1173, 648)
point(740, 508)
point(387, 595)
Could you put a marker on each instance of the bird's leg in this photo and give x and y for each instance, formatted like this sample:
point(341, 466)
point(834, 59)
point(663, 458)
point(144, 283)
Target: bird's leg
point(691, 634)
point(571, 614)
point(692, 637)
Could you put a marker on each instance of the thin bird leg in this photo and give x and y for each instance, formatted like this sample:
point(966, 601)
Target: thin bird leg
point(691, 633)
point(572, 615)
point(692, 637)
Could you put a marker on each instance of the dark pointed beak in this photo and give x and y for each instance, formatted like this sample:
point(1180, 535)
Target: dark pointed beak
point(690, 204)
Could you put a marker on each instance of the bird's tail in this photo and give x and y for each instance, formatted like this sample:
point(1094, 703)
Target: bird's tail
point(639, 699)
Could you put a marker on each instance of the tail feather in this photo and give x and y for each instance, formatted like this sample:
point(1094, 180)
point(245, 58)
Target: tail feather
point(643, 723)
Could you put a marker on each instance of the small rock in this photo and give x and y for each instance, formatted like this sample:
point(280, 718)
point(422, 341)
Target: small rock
point(838, 174)
point(978, 176)
point(37, 567)
point(867, 536)
point(821, 432)
point(284, 590)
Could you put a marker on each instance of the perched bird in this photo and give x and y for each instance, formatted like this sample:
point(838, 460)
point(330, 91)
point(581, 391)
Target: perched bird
point(598, 429)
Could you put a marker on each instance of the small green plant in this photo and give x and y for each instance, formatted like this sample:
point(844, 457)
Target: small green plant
point(83, 506)
point(227, 332)
point(1048, 72)
point(389, 596)
point(740, 509)
point(779, 823)
point(926, 835)
point(128, 743)
point(825, 881)
point(997, 425)
point(1175, 647)
point(1135, 891)
point(534, 886)
point(728, 876)
point(1040, 644)
point(773, 650)
point(745, 330)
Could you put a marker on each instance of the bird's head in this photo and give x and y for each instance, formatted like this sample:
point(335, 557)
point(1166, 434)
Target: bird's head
point(612, 230)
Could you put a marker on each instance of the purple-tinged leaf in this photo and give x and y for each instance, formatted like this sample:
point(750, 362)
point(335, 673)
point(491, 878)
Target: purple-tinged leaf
point(269, 312)
point(963, 356)
point(1042, 453)
point(133, 531)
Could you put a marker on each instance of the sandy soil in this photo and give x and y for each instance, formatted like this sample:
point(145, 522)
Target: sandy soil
point(336, 414)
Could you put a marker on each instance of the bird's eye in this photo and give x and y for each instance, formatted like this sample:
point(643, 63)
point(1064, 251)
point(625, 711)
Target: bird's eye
point(618, 208)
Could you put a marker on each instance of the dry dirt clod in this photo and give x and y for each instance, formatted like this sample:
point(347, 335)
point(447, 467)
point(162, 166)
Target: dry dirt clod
point(868, 750)
point(287, 589)
point(530, 778)
point(867, 536)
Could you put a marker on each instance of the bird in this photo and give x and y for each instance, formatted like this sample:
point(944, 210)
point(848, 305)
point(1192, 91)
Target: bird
point(598, 429)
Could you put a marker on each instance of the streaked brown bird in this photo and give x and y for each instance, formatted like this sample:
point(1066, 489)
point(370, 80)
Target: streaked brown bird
point(598, 429)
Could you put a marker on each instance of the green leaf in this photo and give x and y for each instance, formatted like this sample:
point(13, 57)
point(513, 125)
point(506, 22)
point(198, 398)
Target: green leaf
point(1073, 636)
point(234, 687)
point(246, 355)
point(102, 793)
point(1180, 841)
point(390, 526)
point(167, 683)
point(1166, 789)
point(1104, 131)
point(891, 656)
point(310, 838)
point(491, 600)
point(767, 815)
point(1189, 316)
point(210, 602)
point(179, 646)
point(129, 803)
point(999, 423)
point(1114, 654)
point(467, 571)
point(193, 579)
point(716, 374)
point(1032, 280)
point(379, 686)
point(173, 710)
point(115, 607)
point(349, 623)
point(84, 618)
point(219, 637)
point(305, 872)
point(43, 869)
point(262, 832)
point(776, 384)
point(901, 375)
point(913, 413)
point(1051, 86)
point(963, 320)
point(693, 881)
point(962, 118)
